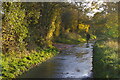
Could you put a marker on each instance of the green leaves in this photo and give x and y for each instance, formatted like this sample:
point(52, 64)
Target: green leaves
point(14, 29)
point(105, 60)
point(13, 66)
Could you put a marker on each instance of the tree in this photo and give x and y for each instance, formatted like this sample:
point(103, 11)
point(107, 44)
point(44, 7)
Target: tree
point(14, 27)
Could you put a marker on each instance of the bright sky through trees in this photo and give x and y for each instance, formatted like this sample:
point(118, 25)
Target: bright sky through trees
point(92, 6)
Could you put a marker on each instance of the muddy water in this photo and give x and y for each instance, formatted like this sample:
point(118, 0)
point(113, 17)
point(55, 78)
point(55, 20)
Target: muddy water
point(74, 62)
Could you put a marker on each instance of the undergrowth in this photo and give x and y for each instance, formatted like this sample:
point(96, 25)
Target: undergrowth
point(106, 62)
point(13, 66)
point(70, 38)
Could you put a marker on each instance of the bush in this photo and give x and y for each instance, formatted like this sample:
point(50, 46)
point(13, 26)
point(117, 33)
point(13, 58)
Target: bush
point(105, 61)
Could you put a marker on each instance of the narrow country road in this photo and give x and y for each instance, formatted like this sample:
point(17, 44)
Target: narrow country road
point(72, 62)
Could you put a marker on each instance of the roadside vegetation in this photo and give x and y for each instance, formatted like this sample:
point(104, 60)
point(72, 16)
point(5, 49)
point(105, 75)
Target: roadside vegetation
point(106, 60)
point(12, 65)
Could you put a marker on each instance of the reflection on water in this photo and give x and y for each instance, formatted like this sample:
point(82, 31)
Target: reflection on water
point(75, 62)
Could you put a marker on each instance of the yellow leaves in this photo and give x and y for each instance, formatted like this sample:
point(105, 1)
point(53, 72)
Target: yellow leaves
point(53, 24)
point(51, 30)
point(81, 26)
point(14, 27)
point(84, 27)
point(67, 30)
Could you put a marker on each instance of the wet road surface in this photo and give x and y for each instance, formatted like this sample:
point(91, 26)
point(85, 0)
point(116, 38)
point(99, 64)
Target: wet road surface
point(74, 62)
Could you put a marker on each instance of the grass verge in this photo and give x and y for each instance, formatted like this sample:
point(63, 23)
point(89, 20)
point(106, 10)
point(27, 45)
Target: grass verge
point(13, 66)
point(106, 62)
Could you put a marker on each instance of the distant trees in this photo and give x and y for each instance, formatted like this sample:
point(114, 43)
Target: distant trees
point(105, 24)
point(69, 19)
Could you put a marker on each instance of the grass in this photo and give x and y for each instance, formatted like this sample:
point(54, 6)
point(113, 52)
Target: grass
point(106, 62)
point(13, 66)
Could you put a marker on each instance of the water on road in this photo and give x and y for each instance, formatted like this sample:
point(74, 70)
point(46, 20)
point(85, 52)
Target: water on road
point(73, 62)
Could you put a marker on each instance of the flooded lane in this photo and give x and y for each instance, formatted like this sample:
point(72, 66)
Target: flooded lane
point(74, 62)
